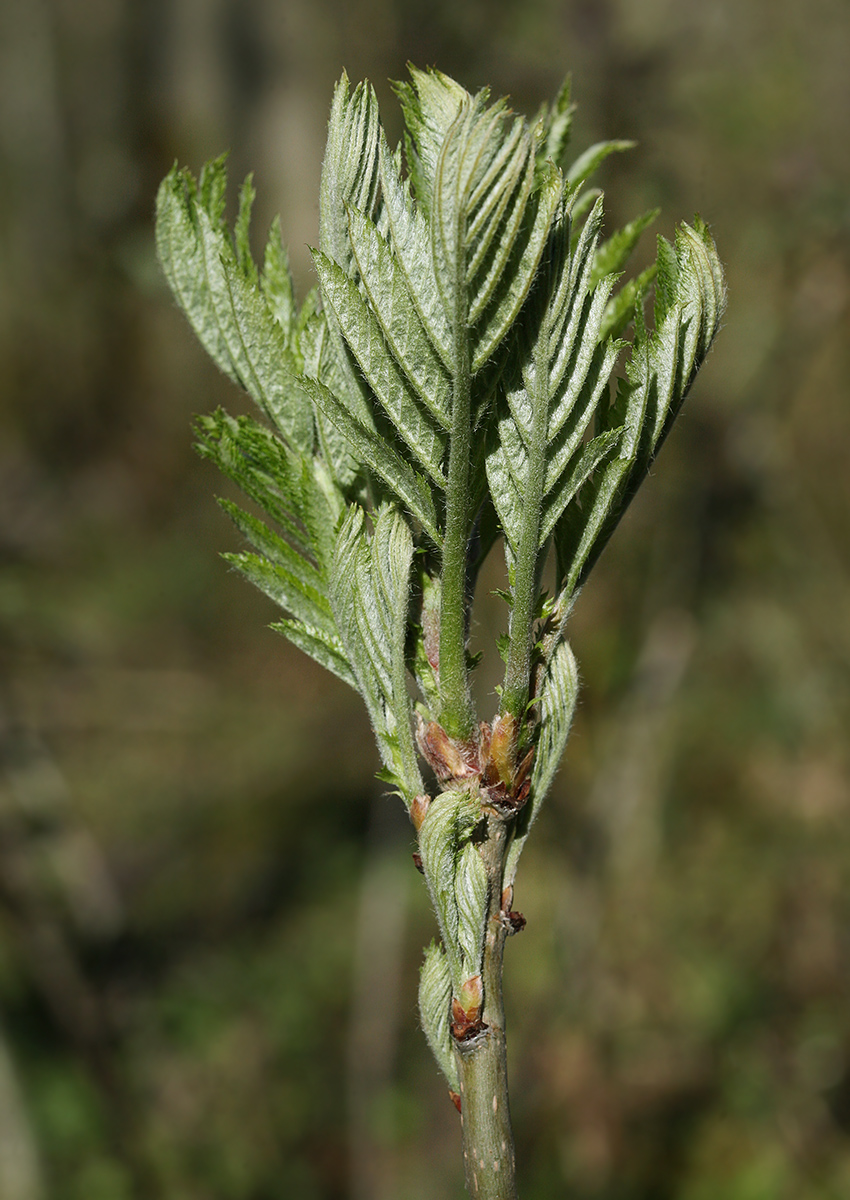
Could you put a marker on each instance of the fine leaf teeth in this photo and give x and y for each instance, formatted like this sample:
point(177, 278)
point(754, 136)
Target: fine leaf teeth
point(411, 244)
point(364, 337)
point(560, 382)
point(369, 593)
point(512, 287)
point(435, 998)
point(391, 302)
point(461, 341)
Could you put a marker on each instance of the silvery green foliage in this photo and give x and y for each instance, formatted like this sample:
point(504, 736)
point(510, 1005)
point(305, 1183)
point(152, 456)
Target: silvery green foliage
point(435, 998)
point(456, 878)
point(448, 383)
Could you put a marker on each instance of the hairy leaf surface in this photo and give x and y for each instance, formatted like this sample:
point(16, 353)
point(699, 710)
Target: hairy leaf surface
point(435, 998)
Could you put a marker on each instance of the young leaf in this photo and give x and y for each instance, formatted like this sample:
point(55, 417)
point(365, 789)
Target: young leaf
point(420, 433)
point(410, 488)
point(435, 999)
point(219, 295)
point(558, 696)
point(326, 649)
point(662, 368)
point(444, 833)
point(400, 321)
point(369, 595)
point(471, 893)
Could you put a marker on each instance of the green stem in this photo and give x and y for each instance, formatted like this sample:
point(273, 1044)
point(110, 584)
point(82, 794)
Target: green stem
point(488, 1144)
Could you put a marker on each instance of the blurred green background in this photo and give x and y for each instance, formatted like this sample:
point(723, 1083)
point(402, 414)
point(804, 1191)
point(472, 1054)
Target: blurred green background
point(210, 927)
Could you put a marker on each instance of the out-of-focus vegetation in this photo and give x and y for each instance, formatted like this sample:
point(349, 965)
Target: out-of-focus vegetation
point(209, 925)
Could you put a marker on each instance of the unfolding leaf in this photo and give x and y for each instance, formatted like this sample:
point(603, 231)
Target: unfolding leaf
point(401, 323)
point(369, 591)
point(220, 297)
point(411, 489)
point(360, 328)
point(471, 893)
point(589, 162)
point(444, 833)
point(690, 299)
point(324, 648)
point(435, 998)
point(557, 701)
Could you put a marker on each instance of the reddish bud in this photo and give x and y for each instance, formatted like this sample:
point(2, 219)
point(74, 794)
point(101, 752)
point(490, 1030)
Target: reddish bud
point(503, 747)
point(418, 809)
point(444, 756)
point(471, 997)
point(455, 1099)
point(466, 1010)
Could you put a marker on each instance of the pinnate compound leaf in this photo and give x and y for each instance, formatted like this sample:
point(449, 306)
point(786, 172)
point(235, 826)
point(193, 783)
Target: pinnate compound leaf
point(369, 594)
point(411, 489)
point(401, 323)
point(362, 333)
point(689, 306)
point(435, 999)
point(216, 287)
